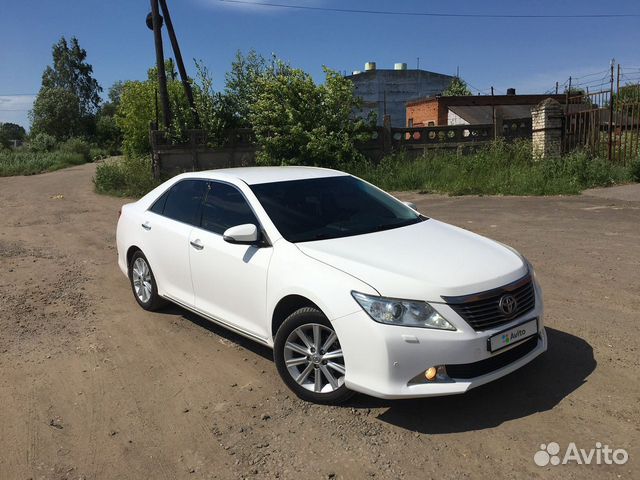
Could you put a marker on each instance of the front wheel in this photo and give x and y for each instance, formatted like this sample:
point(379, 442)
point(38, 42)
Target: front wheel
point(309, 357)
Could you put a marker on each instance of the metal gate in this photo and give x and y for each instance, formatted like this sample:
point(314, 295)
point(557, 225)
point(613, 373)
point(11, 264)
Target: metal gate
point(605, 123)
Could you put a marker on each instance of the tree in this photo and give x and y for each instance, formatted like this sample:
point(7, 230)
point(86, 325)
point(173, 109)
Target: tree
point(71, 72)
point(56, 113)
point(13, 131)
point(108, 134)
point(136, 111)
point(5, 142)
point(210, 105)
point(241, 88)
point(298, 122)
point(575, 92)
point(628, 94)
point(111, 105)
point(69, 96)
point(457, 87)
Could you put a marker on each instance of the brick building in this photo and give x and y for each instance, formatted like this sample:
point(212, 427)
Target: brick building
point(474, 110)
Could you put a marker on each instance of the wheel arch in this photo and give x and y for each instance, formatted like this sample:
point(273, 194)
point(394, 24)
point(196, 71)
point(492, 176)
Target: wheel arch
point(130, 252)
point(286, 306)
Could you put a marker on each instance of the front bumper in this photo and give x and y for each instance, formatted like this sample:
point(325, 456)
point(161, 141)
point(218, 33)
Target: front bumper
point(381, 360)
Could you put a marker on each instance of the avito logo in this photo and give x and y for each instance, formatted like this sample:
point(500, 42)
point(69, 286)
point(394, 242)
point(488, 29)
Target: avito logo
point(602, 454)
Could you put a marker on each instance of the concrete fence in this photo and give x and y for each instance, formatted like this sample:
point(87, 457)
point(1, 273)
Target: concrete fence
point(240, 150)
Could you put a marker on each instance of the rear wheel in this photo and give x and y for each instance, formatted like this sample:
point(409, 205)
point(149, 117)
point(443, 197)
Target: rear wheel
point(143, 283)
point(309, 357)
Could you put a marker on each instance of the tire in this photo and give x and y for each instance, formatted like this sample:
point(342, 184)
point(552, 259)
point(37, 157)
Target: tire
point(143, 283)
point(300, 363)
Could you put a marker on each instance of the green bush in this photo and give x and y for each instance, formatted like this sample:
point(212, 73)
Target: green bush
point(128, 177)
point(299, 122)
point(98, 153)
point(77, 145)
point(24, 162)
point(42, 142)
point(635, 170)
point(498, 169)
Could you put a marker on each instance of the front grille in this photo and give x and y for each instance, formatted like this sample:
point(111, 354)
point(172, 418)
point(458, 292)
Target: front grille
point(488, 365)
point(482, 310)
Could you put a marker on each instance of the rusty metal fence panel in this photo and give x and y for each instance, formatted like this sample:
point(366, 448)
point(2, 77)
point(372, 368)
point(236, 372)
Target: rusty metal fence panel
point(625, 139)
point(606, 124)
point(585, 120)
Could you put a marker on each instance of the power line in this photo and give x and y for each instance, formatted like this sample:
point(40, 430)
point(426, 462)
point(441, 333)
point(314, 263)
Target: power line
point(477, 89)
point(591, 74)
point(18, 94)
point(427, 14)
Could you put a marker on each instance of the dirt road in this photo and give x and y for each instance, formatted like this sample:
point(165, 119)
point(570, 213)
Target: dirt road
point(93, 387)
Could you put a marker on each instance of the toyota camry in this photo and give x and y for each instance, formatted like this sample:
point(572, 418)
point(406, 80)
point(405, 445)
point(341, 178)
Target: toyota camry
point(354, 290)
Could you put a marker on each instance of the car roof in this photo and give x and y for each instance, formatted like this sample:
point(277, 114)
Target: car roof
point(257, 175)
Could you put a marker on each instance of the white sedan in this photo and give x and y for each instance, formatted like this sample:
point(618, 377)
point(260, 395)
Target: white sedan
point(354, 290)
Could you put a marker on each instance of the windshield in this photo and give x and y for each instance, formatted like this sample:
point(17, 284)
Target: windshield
point(331, 207)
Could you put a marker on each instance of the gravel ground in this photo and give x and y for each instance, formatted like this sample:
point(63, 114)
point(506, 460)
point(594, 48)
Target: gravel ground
point(91, 386)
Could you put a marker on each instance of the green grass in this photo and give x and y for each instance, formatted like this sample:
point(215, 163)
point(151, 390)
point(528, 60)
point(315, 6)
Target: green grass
point(125, 177)
point(24, 162)
point(500, 169)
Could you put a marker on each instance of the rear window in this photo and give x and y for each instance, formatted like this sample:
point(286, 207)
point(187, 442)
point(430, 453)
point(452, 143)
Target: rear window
point(158, 206)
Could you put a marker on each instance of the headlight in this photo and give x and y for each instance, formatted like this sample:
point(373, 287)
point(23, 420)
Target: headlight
point(401, 312)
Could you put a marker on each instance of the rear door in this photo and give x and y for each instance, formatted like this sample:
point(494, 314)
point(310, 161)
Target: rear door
point(167, 226)
point(229, 280)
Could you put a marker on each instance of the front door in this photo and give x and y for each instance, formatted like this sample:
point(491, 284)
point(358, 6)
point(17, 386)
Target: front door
point(229, 280)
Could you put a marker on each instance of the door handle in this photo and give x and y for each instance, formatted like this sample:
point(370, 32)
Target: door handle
point(196, 244)
point(146, 226)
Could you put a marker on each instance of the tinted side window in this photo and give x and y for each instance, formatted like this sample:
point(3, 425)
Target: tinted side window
point(158, 206)
point(225, 207)
point(184, 200)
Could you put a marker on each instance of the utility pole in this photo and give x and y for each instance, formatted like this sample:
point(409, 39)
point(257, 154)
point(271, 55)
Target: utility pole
point(494, 119)
point(556, 88)
point(618, 81)
point(162, 76)
point(178, 55)
point(611, 113)
point(155, 91)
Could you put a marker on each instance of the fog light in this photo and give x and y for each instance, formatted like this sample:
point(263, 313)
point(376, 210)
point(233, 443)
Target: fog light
point(430, 373)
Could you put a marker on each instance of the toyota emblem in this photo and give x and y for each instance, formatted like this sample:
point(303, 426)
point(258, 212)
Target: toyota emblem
point(508, 305)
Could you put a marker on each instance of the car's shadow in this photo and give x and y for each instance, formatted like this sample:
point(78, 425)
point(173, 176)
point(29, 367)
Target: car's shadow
point(220, 331)
point(536, 387)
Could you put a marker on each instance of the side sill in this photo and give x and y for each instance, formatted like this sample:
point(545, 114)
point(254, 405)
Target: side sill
point(250, 336)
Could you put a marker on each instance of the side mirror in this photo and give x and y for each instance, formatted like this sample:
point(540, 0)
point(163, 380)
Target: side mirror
point(246, 234)
point(411, 205)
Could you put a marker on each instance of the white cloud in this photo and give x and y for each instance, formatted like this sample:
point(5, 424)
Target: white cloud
point(254, 6)
point(15, 108)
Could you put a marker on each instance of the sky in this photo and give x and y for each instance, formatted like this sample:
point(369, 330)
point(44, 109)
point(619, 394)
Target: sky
point(529, 54)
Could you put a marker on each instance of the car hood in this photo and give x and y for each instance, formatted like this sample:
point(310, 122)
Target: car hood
point(423, 261)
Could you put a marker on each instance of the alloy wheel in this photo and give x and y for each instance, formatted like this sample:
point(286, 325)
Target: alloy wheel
point(141, 275)
point(314, 358)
